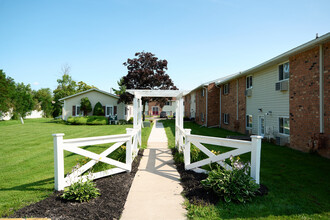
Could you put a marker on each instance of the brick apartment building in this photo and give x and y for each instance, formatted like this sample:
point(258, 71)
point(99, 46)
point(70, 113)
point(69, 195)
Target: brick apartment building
point(285, 98)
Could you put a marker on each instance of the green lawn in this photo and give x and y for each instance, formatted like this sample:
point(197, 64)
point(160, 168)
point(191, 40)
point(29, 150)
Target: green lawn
point(27, 157)
point(299, 183)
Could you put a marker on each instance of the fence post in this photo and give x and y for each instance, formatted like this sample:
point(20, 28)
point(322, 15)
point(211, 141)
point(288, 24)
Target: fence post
point(255, 157)
point(58, 161)
point(186, 149)
point(129, 150)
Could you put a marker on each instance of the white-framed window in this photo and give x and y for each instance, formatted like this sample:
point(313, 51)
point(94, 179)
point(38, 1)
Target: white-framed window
point(226, 118)
point(249, 121)
point(108, 110)
point(202, 116)
point(284, 125)
point(203, 92)
point(168, 103)
point(249, 82)
point(226, 89)
point(76, 110)
point(284, 71)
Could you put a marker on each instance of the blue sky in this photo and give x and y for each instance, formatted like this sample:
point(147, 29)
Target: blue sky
point(201, 39)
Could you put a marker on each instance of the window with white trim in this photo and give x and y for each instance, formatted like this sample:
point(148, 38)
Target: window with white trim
point(76, 110)
point(168, 103)
point(226, 118)
point(108, 110)
point(249, 82)
point(284, 125)
point(202, 92)
point(284, 71)
point(249, 121)
point(202, 117)
point(226, 89)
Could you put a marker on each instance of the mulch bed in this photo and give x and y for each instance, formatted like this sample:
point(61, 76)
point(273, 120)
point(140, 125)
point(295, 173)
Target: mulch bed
point(194, 191)
point(109, 205)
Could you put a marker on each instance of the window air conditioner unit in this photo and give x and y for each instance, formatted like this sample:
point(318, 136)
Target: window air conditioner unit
point(248, 92)
point(282, 86)
point(281, 141)
point(248, 131)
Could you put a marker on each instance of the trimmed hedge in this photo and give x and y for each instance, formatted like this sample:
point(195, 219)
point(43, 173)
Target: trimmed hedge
point(88, 120)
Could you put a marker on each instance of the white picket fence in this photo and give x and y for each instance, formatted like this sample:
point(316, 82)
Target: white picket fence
point(132, 138)
point(184, 140)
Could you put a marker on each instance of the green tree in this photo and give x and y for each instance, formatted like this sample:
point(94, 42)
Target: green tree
point(44, 100)
point(66, 87)
point(23, 101)
point(145, 71)
point(85, 105)
point(7, 90)
point(98, 109)
point(82, 86)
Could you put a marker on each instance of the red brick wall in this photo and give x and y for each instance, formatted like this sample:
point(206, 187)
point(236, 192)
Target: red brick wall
point(304, 98)
point(326, 48)
point(187, 103)
point(151, 104)
point(241, 105)
point(200, 106)
point(229, 106)
point(213, 105)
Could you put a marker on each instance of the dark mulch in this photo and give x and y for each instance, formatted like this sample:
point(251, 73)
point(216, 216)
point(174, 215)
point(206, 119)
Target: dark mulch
point(194, 191)
point(109, 205)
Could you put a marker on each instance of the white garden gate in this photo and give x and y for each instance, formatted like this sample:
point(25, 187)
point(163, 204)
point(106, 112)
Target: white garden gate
point(183, 140)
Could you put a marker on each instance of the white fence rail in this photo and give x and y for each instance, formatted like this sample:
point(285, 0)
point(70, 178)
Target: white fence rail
point(132, 138)
point(184, 140)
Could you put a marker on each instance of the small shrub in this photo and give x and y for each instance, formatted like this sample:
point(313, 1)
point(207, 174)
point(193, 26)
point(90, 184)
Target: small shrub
point(81, 191)
point(77, 120)
point(232, 185)
point(177, 156)
point(122, 122)
point(130, 121)
point(97, 120)
point(88, 120)
point(98, 109)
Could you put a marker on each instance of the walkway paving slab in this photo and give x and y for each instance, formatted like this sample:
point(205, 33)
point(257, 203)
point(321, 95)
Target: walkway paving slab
point(156, 191)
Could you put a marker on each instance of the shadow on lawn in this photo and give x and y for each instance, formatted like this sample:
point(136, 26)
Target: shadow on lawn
point(33, 186)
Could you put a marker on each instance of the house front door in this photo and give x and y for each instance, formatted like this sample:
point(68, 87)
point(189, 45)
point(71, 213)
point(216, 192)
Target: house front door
point(155, 110)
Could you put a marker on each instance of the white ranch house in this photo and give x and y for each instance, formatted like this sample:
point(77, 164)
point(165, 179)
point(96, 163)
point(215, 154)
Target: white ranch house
point(71, 104)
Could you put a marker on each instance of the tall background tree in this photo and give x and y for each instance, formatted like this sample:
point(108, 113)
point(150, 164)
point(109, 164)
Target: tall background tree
point(23, 101)
point(44, 98)
point(66, 87)
point(7, 91)
point(145, 71)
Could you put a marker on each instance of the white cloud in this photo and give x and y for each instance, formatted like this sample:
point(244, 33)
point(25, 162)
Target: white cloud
point(36, 83)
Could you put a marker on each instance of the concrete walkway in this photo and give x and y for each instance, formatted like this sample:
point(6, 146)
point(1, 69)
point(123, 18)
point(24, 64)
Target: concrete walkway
point(155, 191)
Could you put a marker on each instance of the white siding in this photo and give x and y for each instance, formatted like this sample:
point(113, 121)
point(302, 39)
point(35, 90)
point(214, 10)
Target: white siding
point(170, 108)
point(193, 105)
point(266, 98)
point(93, 97)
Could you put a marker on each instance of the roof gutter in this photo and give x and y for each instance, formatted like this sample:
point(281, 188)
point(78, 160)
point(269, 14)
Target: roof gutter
point(281, 58)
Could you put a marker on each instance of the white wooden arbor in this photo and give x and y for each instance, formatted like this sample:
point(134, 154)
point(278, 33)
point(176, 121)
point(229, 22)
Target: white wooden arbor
point(179, 111)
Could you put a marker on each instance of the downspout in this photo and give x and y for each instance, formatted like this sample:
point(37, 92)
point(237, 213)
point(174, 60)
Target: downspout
point(220, 109)
point(206, 108)
point(321, 90)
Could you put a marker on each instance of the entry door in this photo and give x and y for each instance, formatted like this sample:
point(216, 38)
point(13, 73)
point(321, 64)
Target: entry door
point(154, 110)
point(261, 125)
